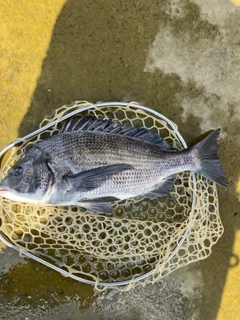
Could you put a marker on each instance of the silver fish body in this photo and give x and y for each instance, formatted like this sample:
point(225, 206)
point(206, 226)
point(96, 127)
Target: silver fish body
point(93, 162)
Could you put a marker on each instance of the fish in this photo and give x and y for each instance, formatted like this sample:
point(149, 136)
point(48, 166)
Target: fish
point(93, 162)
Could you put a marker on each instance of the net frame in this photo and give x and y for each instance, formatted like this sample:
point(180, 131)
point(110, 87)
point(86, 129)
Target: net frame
point(136, 279)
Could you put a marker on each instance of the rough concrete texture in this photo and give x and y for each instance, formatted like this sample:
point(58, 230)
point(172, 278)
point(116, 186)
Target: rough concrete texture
point(181, 58)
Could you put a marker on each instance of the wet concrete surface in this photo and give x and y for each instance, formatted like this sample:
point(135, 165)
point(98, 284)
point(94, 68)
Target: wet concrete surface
point(181, 58)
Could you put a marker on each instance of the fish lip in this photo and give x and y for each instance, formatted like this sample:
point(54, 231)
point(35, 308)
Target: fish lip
point(4, 189)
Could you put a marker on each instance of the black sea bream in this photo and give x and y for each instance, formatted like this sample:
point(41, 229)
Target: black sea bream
point(94, 162)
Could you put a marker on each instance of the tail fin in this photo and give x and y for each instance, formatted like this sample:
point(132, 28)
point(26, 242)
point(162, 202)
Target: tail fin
point(210, 164)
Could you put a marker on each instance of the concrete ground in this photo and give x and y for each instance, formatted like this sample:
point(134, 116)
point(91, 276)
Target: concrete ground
point(179, 57)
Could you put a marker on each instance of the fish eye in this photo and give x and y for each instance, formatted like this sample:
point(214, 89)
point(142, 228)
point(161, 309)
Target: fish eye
point(18, 171)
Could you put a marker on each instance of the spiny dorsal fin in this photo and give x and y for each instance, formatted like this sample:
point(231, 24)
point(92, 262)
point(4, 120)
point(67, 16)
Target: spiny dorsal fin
point(110, 126)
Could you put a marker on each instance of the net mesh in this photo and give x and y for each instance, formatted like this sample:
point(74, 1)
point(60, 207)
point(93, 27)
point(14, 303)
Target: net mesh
point(140, 243)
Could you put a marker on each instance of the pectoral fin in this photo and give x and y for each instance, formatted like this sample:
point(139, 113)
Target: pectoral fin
point(92, 179)
point(100, 205)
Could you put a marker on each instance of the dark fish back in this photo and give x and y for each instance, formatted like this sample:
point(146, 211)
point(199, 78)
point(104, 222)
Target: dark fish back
point(115, 128)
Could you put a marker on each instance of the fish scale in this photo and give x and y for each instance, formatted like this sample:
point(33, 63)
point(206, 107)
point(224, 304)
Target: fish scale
point(94, 162)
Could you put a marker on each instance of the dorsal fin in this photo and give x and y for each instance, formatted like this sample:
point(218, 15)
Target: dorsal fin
point(110, 126)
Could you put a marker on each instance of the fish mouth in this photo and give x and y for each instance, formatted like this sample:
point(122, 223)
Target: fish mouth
point(8, 193)
point(4, 189)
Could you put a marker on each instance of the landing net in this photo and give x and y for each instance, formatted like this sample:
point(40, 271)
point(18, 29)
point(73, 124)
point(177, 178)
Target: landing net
point(143, 241)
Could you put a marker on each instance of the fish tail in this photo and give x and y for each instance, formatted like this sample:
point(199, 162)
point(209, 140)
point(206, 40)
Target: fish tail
point(210, 166)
